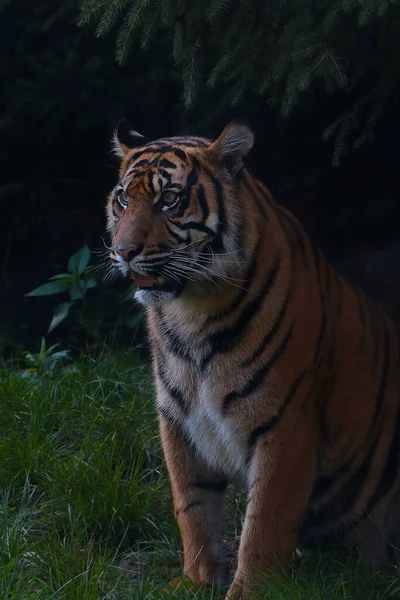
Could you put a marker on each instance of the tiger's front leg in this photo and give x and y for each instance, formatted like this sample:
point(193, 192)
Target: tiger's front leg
point(279, 483)
point(198, 494)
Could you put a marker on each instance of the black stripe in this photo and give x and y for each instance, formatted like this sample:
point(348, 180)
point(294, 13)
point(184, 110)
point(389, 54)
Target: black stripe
point(150, 181)
point(351, 489)
point(211, 486)
point(159, 248)
point(317, 261)
point(339, 287)
point(294, 233)
point(185, 509)
point(151, 264)
point(179, 153)
point(202, 200)
point(172, 340)
point(186, 143)
point(180, 209)
point(329, 435)
point(244, 176)
point(382, 386)
point(387, 480)
point(376, 326)
point(135, 155)
point(216, 245)
point(362, 316)
point(325, 483)
point(340, 507)
point(229, 337)
point(172, 233)
point(258, 377)
point(317, 357)
point(192, 177)
point(274, 420)
point(160, 142)
point(270, 335)
point(164, 162)
point(160, 149)
point(222, 222)
point(248, 278)
point(166, 176)
point(173, 391)
point(265, 193)
point(287, 231)
point(166, 415)
point(190, 138)
point(141, 163)
point(145, 150)
point(329, 279)
point(321, 333)
point(197, 227)
point(175, 346)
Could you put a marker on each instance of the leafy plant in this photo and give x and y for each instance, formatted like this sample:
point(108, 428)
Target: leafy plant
point(75, 283)
point(45, 360)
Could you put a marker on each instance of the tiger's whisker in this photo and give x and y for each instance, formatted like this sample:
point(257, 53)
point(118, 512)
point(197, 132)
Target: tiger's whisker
point(207, 275)
point(183, 274)
point(193, 263)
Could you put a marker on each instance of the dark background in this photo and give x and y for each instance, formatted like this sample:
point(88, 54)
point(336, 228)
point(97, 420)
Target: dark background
point(62, 95)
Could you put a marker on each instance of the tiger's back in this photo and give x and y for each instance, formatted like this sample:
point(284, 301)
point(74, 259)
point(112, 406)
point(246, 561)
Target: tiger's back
point(268, 366)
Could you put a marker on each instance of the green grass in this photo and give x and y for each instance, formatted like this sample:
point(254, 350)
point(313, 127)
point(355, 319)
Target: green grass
point(85, 507)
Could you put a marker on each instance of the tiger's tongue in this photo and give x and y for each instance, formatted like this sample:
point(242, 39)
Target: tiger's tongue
point(143, 280)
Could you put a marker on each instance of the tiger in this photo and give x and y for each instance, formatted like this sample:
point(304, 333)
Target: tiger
point(270, 369)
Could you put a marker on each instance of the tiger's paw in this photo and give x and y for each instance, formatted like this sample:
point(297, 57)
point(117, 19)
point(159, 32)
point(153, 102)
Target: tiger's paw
point(185, 583)
point(238, 591)
point(180, 584)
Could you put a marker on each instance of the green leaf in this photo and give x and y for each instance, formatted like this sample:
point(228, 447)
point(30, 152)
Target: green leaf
point(60, 313)
point(79, 261)
point(61, 276)
point(43, 349)
point(29, 357)
point(48, 289)
point(52, 348)
point(77, 291)
point(90, 283)
point(59, 354)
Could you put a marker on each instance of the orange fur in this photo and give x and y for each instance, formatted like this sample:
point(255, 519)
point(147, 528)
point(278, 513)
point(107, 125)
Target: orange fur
point(269, 367)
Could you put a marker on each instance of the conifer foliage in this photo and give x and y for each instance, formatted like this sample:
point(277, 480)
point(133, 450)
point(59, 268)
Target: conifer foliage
point(275, 48)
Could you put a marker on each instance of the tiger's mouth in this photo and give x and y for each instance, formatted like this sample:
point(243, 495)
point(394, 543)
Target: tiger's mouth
point(154, 282)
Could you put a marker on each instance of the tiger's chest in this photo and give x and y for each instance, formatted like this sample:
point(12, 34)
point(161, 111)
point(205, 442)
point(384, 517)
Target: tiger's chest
point(220, 440)
point(216, 439)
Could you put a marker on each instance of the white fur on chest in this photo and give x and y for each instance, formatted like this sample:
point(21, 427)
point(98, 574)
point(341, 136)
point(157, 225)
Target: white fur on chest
point(216, 439)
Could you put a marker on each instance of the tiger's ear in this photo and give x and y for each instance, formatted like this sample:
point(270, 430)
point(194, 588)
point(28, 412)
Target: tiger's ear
point(125, 138)
point(233, 144)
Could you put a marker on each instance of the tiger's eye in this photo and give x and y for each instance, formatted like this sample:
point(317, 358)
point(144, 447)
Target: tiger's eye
point(122, 200)
point(169, 199)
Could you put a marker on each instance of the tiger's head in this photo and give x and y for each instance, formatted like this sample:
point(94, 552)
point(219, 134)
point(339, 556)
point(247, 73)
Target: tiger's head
point(174, 215)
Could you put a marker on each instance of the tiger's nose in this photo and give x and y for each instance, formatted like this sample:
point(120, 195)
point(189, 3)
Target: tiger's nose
point(129, 253)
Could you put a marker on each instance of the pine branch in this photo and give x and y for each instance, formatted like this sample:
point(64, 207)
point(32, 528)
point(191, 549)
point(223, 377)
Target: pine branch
point(151, 24)
point(278, 49)
point(215, 10)
point(128, 30)
point(190, 77)
point(177, 50)
point(110, 16)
